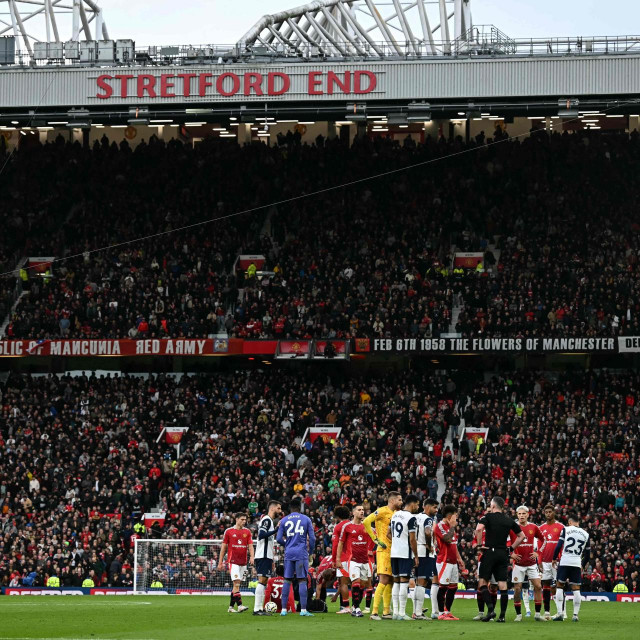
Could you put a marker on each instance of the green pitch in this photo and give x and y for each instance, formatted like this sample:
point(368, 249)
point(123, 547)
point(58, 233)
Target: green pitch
point(206, 618)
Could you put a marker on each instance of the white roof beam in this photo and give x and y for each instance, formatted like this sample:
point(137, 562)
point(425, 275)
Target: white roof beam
point(357, 27)
point(383, 27)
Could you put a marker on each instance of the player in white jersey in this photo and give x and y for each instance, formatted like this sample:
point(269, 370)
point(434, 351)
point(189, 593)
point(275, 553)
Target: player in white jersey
point(575, 547)
point(426, 557)
point(264, 553)
point(404, 554)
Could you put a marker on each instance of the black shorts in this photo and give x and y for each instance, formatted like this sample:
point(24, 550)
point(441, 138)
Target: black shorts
point(494, 563)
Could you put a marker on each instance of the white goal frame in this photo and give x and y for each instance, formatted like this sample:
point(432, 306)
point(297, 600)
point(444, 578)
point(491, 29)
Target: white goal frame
point(205, 577)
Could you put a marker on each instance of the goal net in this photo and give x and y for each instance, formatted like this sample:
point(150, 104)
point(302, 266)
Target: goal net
point(181, 567)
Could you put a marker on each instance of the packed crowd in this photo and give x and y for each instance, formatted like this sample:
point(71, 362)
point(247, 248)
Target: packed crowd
point(370, 259)
point(80, 464)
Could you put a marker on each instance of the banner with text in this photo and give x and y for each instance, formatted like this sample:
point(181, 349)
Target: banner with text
point(460, 346)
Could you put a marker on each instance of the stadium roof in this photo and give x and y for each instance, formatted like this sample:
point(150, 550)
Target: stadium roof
point(364, 27)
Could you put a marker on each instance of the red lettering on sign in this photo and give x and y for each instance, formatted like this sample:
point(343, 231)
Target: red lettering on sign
point(357, 81)
point(253, 81)
point(124, 79)
point(271, 85)
point(165, 85)
point(234, 88)
point(105, 86)
point(314, 81)
point(186, 83)
point(343, 85)
point(146, 82)
point(203, 83)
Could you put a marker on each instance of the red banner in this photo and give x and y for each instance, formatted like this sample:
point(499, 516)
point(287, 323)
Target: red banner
point(468, 260)
point(295, 347)
point(173, 435)
point(152, 347)
point(339, 345)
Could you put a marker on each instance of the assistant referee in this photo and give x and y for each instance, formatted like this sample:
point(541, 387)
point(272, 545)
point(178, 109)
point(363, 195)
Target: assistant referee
point(496, 527)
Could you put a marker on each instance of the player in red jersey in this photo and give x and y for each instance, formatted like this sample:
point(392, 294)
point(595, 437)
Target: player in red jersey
point(341, 563)
point(353, 538)
point(551, 531)
point(526, 560)
point(238, 541)
point(368, 592)
point(448, 561)
point(273, 592)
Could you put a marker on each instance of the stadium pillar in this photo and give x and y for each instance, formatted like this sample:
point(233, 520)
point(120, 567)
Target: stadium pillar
point(467, 130)
point(332, 132)
point(244, 133)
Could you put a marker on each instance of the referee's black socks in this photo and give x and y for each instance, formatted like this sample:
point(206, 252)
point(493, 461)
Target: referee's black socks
point(504, 601)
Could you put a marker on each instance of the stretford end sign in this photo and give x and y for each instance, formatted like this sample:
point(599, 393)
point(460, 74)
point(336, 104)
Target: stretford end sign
point(228, 84)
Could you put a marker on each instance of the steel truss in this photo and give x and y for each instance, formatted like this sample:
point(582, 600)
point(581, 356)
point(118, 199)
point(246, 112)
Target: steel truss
point(378, 28)
point(51, 21)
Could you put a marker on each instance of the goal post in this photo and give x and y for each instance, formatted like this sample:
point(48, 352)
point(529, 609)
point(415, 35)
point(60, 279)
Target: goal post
point(181, 567)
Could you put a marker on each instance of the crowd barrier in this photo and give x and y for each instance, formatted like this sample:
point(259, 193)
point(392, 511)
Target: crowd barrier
point(115, 591)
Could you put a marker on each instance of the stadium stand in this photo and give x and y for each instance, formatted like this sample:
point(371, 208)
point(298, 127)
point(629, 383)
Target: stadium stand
point(338, 264)
point(80, 463)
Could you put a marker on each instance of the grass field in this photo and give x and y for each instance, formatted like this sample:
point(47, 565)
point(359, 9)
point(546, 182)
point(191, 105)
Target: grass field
point(201, 617)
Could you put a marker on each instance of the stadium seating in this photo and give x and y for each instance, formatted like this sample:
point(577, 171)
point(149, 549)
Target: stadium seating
point(373, 259)
point(79, 461)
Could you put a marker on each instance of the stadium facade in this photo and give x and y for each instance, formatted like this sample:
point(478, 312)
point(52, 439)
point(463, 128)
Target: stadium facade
point(325, 68)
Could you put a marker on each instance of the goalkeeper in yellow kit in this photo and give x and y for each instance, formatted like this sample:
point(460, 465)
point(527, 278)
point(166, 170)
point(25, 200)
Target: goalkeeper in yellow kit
point(377, 526)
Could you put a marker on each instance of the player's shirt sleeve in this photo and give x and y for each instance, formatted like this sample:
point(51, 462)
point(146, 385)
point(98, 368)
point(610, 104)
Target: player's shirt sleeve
point(312, 536)
point(412, 525)
point(263, 531)
point(280, 534)
point(483, 521)
point(516, 528)
point(225, 539)
point(368, 524)
point(587, 552)
point(540, 537)
point(559, 546)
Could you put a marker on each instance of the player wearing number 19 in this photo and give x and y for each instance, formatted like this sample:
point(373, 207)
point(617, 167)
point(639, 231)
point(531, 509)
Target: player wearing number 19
point(404, 553)
point(295, 534)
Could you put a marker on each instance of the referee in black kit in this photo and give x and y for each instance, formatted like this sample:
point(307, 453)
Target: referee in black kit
point(495, 556)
